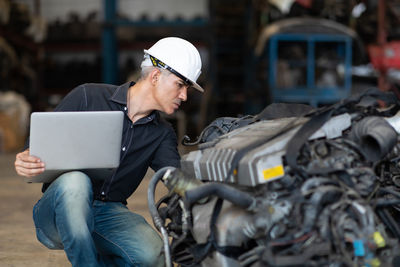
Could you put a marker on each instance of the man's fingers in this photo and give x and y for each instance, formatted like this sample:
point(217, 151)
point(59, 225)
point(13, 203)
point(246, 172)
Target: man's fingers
point(35, 164)
point(27, 165)
point(24, 156)
point(29, 172)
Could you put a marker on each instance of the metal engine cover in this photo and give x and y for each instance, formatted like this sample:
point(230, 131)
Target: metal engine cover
point(261, 164)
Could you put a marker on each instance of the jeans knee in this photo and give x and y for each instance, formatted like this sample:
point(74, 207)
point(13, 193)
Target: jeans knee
point(153, 255)
point(73, 186)
point(150, 259)
point(156, 259)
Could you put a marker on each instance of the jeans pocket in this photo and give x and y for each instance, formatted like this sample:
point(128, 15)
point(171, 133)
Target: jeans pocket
point(47, 242)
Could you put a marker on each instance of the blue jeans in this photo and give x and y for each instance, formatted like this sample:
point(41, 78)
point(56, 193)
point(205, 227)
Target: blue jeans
point(93, 233)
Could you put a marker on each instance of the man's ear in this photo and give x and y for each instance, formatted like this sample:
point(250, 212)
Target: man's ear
point(155, 76)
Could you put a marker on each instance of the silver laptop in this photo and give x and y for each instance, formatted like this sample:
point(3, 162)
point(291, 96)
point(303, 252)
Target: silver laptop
point(67, 141)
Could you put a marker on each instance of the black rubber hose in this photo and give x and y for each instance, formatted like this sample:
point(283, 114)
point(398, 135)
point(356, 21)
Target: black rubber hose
point(151, 196)
point(158, 222)
point(388, 220)
point(375, 136)
point(223, 191)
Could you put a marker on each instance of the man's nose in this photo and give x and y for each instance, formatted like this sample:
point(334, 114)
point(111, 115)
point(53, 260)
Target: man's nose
point(183, 94)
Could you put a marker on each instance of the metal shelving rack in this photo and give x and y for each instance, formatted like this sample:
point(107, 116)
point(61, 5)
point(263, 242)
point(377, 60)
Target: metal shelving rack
point(310, 92)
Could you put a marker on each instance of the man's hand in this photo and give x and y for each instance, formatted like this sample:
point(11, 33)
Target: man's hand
point(27, 165)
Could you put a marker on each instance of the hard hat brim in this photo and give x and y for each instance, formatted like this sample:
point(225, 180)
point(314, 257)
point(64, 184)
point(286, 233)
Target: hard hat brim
point(197, 87)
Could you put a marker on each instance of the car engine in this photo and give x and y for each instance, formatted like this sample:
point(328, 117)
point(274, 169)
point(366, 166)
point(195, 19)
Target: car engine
point(321, 189)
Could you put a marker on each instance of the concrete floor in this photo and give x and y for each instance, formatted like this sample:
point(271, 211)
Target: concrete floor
point(18, 243)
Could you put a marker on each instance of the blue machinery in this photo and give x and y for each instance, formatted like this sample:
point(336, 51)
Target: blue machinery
point(310, 92)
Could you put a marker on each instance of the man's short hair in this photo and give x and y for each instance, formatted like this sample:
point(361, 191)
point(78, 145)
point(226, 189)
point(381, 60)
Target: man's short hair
point(147, 67)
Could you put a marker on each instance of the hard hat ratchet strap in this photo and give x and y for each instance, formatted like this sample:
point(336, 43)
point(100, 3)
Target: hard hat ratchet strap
point(158, 63)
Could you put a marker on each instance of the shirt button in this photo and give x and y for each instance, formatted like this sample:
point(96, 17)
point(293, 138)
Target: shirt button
point(124, 148)
point(125, 108)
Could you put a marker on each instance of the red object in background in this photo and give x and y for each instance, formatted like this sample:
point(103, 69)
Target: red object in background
point(386, 56)
point(305, 3)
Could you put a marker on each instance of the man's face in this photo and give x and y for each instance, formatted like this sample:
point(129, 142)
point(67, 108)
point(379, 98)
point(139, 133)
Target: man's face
point(170, 92)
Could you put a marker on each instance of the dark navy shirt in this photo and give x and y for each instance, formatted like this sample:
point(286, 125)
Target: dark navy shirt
point(149, 142)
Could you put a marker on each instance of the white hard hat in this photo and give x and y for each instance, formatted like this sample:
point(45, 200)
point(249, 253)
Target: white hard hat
point(178, 56)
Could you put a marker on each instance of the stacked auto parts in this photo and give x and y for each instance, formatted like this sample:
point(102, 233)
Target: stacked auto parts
point(320, 190)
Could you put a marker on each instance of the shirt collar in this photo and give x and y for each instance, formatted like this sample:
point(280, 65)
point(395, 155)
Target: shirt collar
point(120, 97)
point(121, 93)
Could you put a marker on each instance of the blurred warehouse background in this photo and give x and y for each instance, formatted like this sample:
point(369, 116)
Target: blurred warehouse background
point(254, 52)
